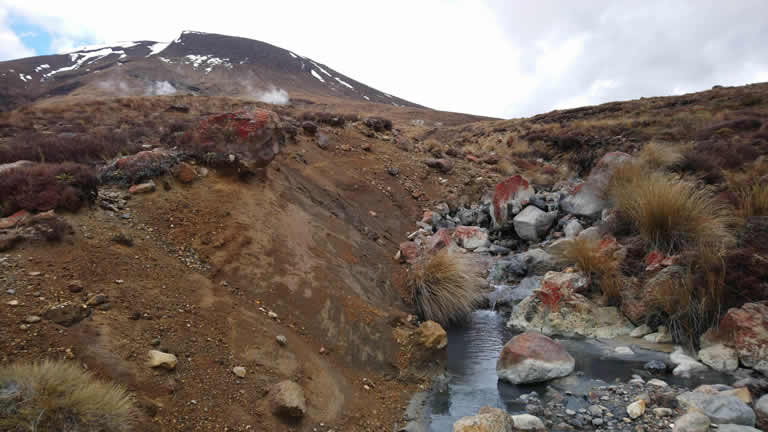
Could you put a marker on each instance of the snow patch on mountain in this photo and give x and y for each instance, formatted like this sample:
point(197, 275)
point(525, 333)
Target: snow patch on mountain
point(209, 60)
point(157, 47)
point(317, 75)
point(321, 69)
point(344, 83)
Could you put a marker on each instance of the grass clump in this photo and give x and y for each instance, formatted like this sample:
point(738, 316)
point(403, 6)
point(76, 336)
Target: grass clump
point(670, 212)
point(753, 200)
point(658, 156)
point(445, 287)
point(601, 264)
point(59, 396)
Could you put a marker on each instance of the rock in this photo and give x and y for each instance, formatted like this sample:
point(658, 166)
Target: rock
point(623, 350)
point(655, 382)
point(443, 165)
point(719, 408)
point(66, 313)
point(661, 336)
point(586, 199)
point(15, 219)
point(761, 406)
point(532, 223)
point(287, 399)
point(439, 240)
point(636, 409)
point(185, 173)
point(736, 428)
point(663, 412)
point(322, 141)
point(470, 237)
point(470, 216)
point(556, 309)
point(432, 335)
point(393, 171)
point(142, 188)
point(572, 229)
point(741, 393)
point(31, 319)
point(239, 371)
point(538, 261)
point(693, 421)
point(486, 420)
point(591, 234)
point(75, 286)
point(309, 127)
point(720, 358)
point(744, 330)
point(527, 422)
point(281, 340)
point(409, 252)
point(640, 331)
point(510, 194)
point(532, 357)
point(96, 300)
point(161, 359)
point(686, 365)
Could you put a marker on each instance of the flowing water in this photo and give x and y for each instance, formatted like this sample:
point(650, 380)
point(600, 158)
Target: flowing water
point(471, 382)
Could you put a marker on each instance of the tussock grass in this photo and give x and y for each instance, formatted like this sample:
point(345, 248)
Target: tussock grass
point(753, 200)
point(445, 287)
point(658, 156)
point(603, 266)
point(59, 396)
point(669, 212)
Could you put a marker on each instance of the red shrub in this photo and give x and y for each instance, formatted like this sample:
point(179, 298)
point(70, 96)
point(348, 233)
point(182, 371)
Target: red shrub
point(42, 187)
point(70, 147)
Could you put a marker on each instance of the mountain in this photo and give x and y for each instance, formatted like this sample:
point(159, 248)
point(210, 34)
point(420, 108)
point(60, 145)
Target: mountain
point(195, 63)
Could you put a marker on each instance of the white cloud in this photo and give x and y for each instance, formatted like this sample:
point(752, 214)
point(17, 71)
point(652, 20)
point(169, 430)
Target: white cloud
point(492, 57)
point(11, 45)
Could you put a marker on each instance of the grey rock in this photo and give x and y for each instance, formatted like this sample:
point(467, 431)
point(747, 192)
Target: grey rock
point(720, 358)
point(66, 314)
point(573, 228)
point(533, 223)
point(287, 399)
point(719, 408)
point(736, 428)
point(692, 422)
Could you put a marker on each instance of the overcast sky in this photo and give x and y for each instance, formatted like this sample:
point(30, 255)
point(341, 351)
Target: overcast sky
point(498, 57)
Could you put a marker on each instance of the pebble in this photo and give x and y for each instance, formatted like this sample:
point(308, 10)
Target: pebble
point(570, 412)
point(657, 382)
point(272, 315)
point(239, 371)
point(597, 422)
point(31, 319)
point(161, 359)
point(13, 303)
point(281, 340)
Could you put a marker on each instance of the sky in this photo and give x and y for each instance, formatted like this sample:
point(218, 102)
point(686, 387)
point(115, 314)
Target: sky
point(499, 58)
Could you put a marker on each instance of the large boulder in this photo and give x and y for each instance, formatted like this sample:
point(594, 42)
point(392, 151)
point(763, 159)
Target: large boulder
point(693, 421)
point(720, 358)
point(719, 408)
point(432, 335)
point(532, 357)
point(255, 134)
point(556, 308)
point(486, 420)
point(470, 237)
point(533, 223)
point(287, 399)
point(509, 194)
point(761, 409)
point(745, 330)
point(586, 199)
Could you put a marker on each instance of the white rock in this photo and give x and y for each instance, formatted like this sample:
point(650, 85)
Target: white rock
point(527, 422)
point(161, 359)
point(686, 365)
point(720, 358)
point(486, 420)
point(239, 371)
point(657, 382)
point(623, 350)
point(636, 409)
point(572, 228)
point(640, 331)
point(663, 412)
point(532, 223)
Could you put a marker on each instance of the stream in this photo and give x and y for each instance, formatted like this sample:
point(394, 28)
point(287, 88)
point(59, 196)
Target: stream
point(470, 381)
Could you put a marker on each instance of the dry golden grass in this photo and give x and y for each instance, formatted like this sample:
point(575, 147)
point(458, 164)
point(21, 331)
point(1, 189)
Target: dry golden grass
point(753, 200)
point(505, 167)
point(603, 266)
point(669, 212)
point(59, 396)
point(659, 156)
point(445, 287)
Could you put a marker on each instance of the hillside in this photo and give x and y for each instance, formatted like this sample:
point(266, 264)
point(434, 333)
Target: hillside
point(283, 238)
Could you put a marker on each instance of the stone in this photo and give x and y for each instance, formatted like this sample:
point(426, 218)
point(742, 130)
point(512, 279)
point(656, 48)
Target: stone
point(532, 357)
point(636, 409)
point(15, 219)
point(527, 422)
point(512, 194)
point(532, 223)
point(590, 234)
point(663, 412)
point(75, 286)
point(185, 173)
point(640, 331)
point(719, 408)
point(322, 141)
point(160, 359)
point(287, 399)
point(741, 393)
point(309, 127)
point(470, 237)
point(693, 421)
point(736, 428)
point(539, 261)
point(486, 420)
point(281, 340)
point(443, 165)
point(409, 252)
point(143, 188)
point(745, 330)
point(586, 199)
point(239, 371)
point(439, 240)
point(686, 365)
point(657, 382)
point(623, 350)
point(96, 300)
point(661, 336)
point(31, 319)
point(432, 335)
point(66, 313)
point(761, 406)
point(656, 366)
point(572, 229)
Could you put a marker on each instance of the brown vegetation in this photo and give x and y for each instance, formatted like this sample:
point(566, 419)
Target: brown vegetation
point(41, 187)
point(602, 265)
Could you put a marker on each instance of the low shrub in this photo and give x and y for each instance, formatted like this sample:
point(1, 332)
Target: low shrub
point(445, 287)
point(42, 187)
point(80, 148)
point(59, 396)
point(602, 265)
point(701, 165)
point(669, 212)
